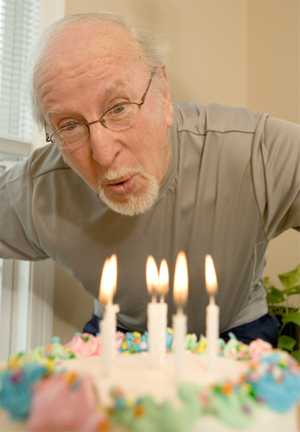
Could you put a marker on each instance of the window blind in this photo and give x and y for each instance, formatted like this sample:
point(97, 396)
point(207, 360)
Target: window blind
point(19, 29)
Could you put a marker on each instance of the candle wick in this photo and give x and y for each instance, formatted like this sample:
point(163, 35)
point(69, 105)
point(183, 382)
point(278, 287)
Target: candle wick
point(212, 299)
point(161, 299)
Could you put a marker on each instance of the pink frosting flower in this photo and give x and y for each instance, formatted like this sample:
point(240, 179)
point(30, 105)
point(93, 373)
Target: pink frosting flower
point(85, 345)
point(64, 402)
point(259, 347)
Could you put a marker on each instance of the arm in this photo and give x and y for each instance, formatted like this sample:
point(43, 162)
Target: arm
point(17, 234)
point(276, 174)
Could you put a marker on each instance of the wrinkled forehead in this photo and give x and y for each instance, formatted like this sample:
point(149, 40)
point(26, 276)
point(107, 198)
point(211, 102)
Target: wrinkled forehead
point(81, 43)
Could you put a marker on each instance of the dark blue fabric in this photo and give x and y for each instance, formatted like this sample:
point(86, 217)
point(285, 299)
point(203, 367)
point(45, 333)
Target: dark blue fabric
point(265, 328)
point(93, 326)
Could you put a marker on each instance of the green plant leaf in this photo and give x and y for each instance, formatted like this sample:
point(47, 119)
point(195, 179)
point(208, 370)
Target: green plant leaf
point(292, 291)
point(293, 317)
point(274, 295)
point(267, 282)
point(286, 343)
point(291, 278)
point(296, 355)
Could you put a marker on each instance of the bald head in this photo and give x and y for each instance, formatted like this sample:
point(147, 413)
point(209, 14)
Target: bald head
point(82, 39)
point(95, 39)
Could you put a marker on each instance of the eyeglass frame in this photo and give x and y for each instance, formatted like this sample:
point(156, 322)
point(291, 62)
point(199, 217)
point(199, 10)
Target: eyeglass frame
point(49, 137)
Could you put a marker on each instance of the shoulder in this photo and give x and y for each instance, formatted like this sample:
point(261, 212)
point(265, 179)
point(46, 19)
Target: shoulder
point(42, 161)
point(203, 119)
point(46, 160)
point(42, 171)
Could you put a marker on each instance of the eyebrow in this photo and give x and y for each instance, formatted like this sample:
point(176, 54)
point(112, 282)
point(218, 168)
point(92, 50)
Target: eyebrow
point(119, 84)
point(108, 92)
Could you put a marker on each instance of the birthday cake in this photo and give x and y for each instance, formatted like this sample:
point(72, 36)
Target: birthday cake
point(62, 388)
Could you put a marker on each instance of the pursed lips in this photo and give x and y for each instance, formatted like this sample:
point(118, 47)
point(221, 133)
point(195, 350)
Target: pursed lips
point(121, 185)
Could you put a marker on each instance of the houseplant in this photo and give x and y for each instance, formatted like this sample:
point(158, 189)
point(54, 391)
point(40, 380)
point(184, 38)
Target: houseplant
point(289, 317)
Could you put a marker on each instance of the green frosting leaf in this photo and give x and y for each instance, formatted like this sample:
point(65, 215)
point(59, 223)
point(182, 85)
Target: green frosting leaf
point(235, 410)
point(147, 415)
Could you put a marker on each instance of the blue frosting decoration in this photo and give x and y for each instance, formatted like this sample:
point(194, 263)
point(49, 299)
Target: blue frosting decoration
point(278, 386)
point(135, 342)
point(16, 389)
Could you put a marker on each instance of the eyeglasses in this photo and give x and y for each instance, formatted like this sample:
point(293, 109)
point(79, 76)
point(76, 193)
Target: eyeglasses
point(117, 118)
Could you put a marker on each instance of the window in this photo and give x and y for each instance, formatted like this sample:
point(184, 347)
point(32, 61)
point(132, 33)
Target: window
point(25, 293)
point(19, 29)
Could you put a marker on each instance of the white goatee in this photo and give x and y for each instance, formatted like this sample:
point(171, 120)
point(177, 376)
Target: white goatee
point(135, 203)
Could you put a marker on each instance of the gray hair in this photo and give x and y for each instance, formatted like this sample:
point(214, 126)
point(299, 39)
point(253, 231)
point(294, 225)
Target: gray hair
point(152, 50)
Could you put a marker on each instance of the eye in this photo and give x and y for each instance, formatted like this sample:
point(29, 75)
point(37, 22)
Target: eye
point(119, 110)
point(68, 126)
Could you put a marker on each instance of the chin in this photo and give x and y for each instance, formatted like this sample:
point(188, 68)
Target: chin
point(134, 204)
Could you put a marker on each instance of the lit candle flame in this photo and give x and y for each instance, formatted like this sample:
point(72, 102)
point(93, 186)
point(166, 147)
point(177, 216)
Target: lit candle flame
point(181, 280)
point(108, 283)
point(163, 286)
point(114, 267)
point(152, 277)
point(210, 276)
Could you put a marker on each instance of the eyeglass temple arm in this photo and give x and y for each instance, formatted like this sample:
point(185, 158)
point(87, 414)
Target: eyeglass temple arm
point(47, 135)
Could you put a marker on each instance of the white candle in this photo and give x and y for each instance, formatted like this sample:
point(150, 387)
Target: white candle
point(162, 289)
point(108, 331)
point(212, 311)
point(152, 333)
point(179, 328)
point(157, 284)
point(109, 322)
point(152, 323)
point(179, 320)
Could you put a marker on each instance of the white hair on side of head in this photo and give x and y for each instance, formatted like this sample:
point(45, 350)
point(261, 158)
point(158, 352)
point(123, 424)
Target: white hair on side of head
point(152, 50)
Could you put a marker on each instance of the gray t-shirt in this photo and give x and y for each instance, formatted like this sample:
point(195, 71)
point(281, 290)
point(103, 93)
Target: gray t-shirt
point(232, 185)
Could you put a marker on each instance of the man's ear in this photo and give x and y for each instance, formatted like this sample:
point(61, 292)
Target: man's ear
point(166, 94)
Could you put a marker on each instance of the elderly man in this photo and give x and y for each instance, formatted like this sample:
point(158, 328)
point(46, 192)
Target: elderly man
point(128, 172)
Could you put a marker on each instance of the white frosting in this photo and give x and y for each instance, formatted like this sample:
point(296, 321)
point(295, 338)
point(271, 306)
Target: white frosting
point(135, 375)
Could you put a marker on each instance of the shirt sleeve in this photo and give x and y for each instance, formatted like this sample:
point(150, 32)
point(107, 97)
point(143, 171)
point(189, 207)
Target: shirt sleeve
point(276, 174)
point(18, 238)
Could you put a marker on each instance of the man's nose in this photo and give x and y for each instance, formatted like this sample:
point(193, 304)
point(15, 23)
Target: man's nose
point(104, 145)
